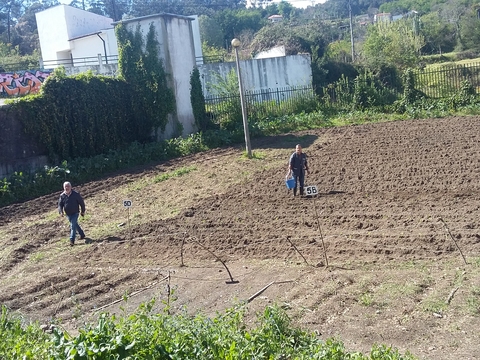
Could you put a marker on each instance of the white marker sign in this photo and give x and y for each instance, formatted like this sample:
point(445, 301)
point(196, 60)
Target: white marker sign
point(311, 190)
point(127, 203)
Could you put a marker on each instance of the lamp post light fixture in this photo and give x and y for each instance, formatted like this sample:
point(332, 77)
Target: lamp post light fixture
point(236, 44)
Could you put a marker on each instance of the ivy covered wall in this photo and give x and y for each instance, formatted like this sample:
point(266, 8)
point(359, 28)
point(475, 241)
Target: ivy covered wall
point(86, 114)
point(174, 37)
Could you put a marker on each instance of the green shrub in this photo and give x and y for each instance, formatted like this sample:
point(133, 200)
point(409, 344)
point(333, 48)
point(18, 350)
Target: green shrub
point(149, 335)
point(198, 102)
point(19, 340)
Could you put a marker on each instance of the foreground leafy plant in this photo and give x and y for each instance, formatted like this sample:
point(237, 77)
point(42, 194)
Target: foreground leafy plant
point(149, 335)
point(19, 341)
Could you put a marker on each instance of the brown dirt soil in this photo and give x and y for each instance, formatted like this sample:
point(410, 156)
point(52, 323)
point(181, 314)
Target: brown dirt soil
point(397, 202)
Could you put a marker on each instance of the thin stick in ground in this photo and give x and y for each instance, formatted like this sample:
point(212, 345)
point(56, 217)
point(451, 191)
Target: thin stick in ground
point(181, 250)
point(223, 263)
point(320, 231)
point(298, 251)
point(451, 237)
point(130, 295)
point(265, 288)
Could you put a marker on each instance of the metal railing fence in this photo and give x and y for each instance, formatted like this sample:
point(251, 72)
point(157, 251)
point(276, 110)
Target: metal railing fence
point(19, 66)
point(262, 103)
point(82, 61)
point(434, 83)
point(447, 80)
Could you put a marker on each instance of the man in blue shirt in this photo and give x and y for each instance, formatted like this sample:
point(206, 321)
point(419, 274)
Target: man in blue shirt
point(70, 203)
point(298, 165)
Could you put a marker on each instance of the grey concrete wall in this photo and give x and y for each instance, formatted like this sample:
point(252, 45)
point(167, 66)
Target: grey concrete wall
point(261, 74)
point(18, 152)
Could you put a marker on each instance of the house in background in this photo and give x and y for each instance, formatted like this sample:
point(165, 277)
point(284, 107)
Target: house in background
point(386, 17)
point(275, 18)
point(81, 41)
point(72, 37)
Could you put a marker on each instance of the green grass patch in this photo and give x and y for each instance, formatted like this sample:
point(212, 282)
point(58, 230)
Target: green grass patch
point(434, 305)
point(256, 155)
point(37, 257)
point(473, 302)
point(366, 299)
point(173, 174)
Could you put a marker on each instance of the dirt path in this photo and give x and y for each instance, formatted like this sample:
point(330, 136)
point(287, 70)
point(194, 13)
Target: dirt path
point(397, 201)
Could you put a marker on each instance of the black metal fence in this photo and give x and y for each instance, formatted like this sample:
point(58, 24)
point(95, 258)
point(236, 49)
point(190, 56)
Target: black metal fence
point(447, 80)
point(434, 83)
point(263, 103)
point(441, 82)
point(20, 66)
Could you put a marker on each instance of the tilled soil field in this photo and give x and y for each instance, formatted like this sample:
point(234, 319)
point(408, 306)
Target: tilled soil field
point(388, 252)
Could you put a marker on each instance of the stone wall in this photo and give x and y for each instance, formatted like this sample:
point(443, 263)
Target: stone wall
point(261, 74)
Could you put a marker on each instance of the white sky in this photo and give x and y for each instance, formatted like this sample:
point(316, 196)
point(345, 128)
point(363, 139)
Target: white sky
point(304, 3)
point(296, 3)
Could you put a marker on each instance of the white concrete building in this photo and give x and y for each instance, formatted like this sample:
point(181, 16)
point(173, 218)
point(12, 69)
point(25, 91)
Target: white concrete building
point(75, 38)
point(81, 40)
point(67, 33)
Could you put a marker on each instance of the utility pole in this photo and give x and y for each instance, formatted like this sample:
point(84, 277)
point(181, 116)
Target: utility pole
point(236, 43)
point(351, 29)
point(115, 18)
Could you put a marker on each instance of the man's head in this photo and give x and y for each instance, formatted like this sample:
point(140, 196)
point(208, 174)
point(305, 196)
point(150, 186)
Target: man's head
point(298, 149)
point(67, 187)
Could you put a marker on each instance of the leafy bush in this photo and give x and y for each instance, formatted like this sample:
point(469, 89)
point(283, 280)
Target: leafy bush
point(198, 101)
point(20, 341)
point(13, 61)
point(70, 121)
point(149, 335)
point(143, 70)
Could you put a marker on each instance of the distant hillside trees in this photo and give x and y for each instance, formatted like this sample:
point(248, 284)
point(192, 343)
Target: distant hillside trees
point(394, 43)
point(439, 34)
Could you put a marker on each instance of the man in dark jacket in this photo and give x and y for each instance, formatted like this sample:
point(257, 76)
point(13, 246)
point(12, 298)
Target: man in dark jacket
point(70, 204)
point(298, 165)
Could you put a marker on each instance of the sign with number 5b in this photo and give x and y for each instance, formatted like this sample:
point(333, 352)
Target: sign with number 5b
point(311, 190)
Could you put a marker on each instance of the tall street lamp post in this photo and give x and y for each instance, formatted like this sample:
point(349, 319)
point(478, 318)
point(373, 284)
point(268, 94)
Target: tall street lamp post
point(236, 44)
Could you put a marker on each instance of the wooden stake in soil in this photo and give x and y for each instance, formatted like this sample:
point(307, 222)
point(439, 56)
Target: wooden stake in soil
point(223, 263)
point(129, 227)
point(128, 204)
point(169, 292)
point(451, 237)
point(450, 296)
point(320, 231)
point(293, 245)
point(260, 291)
point(265, 288)
point(181, 249)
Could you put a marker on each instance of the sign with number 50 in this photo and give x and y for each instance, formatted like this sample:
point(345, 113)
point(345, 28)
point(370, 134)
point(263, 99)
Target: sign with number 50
point(311, 190)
